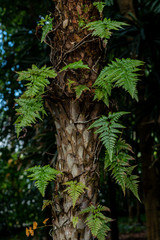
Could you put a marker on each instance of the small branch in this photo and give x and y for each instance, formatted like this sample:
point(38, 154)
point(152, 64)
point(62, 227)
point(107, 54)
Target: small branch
point(95, 65)
point(83, 122)
point(80, 44)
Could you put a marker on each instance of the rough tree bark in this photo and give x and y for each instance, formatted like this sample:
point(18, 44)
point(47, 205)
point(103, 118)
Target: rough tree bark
point(78, 147)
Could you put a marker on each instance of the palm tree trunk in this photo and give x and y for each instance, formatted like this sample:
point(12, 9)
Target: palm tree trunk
point(78, 147)
point(78, 150)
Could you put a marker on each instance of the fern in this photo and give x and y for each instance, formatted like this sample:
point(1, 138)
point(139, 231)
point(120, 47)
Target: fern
point(103, 93)
point(99, 5)
point(70, 83)
point(31, 105)
point(75, 221)
point(121, 73)
point(103, 28)
point(120, 167)
point(42, 176)
point(109, 3)
point(153, 5)
point(108, 128)
point(46, 203)
point(80, 89)
point(37, 79)
point(96, 221)
point(75, 190)
point(132, 184)
point(75, 65)
point(46, 24)
point(29, 111)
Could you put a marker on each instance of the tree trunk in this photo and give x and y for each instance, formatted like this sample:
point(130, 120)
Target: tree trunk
point(126, 8)
point(151, 183)
point(78, 147)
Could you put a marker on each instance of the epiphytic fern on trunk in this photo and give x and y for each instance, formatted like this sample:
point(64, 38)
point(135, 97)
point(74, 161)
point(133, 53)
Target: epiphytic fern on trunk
point(120, 167)
point(108, 128)
point(96, 221)
point(42, 176)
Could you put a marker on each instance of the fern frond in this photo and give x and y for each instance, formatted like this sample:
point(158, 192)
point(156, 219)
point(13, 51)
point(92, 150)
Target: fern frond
point(80, 89)
point(75, 65)
point(46, 24)
point(29, 111)
point(42, 176)
point(108, 128)
point(104, 229)
point(120, 167)
point(103, 93)
point(109, 3)
point(46, 203)
point(75, 221)
point(30, 103)
point(153, 6)
point(120, 73)
point(132, 184)
point(103, 28)
point(75, 190)
point(99, 5)
point(93, 209)
point(37, 79)
point(70, 84)
point(96, 221)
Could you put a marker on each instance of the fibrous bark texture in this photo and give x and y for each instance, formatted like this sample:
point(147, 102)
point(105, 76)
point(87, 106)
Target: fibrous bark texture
point(78, 150)
point(78, 147)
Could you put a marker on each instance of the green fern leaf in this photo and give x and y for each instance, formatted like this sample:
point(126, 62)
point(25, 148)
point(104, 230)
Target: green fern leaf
point(70, 84)
point(96, 221)
point(75, 65)
point(99, 5)
point(46, 25)
point(46, 203)
point(109, 3)
point(75, 221)
point(37, 79)
point(103, 28)
point(121, 73)
point(42, 176)
point(29, 111)
point(94, 209)
point(75, 190)
point(103, 93)
point(80, 89)
point(88, 209)
point(108, 128)
point(120, 167)
point(31, 105)
point(104, 229)
point(132, 184)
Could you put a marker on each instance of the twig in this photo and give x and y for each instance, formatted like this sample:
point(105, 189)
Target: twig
point(83, 122)
point(95, 65)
